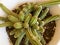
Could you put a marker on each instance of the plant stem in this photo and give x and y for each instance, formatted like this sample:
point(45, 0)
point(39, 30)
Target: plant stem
point(49, 3)
point(18, 41)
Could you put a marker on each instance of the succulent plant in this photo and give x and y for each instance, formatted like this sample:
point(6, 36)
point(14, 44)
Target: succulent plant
point(28, 24)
